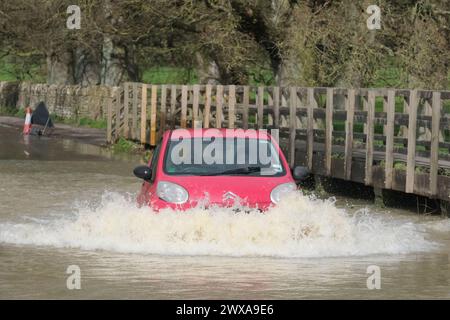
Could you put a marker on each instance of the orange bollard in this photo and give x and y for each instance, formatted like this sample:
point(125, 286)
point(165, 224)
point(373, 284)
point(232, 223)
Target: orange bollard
point(27, 124)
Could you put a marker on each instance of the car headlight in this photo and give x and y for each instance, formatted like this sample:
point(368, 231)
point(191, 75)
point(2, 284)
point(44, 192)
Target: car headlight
point(279, 191)
point(172, 192)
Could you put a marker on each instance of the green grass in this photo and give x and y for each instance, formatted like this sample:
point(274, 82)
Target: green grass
point(422, 169)
point(378, 128)
point(399, 104)
point(80, 122)
point(446, 133)
point(400, 165)
point(91, 123)
point(179, 75)
point(339, 125)
point(337, 155)
point(446, 106)
point(358, 127)
point(126, 146)
point(170, 75)
point(7, 72)
point(19, 69)
point(378, 143)
point(444, 172)
point(389, 77)
point(6, 76)
point(421, 148)
point(379, 103)
point(12, 112)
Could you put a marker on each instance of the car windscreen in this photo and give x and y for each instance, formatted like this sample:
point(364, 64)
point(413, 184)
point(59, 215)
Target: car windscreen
point(222, 156)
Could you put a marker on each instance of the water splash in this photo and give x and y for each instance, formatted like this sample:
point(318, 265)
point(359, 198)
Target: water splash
point(300, 226)
point(441, 226)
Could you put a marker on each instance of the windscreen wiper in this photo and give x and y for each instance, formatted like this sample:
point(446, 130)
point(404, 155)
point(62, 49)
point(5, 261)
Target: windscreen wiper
point(244, 170)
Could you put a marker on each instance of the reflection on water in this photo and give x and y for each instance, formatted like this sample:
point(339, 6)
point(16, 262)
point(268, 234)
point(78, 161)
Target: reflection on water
point(65, 203)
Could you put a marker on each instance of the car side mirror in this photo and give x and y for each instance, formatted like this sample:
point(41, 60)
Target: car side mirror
point(300, 173)
point(143, 172)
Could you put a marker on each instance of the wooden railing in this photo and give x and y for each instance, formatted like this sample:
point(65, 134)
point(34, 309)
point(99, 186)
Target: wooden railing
point(393, 139)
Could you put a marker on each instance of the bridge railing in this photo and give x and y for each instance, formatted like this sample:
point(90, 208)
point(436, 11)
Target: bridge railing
point(387, 138)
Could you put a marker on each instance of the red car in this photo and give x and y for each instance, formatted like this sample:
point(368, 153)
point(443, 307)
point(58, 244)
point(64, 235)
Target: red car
point(223, 167)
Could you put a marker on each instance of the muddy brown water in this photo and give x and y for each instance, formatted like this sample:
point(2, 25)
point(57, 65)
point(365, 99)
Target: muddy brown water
point(63, 203)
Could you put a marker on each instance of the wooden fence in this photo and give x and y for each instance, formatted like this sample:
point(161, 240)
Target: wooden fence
point(386, 138)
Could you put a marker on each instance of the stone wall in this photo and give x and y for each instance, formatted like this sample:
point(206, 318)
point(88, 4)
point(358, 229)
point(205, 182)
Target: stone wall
point(63, 100)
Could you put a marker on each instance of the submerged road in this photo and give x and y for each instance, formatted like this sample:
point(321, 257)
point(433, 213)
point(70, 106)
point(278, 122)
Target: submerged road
point(63, 204)
point(84, 135)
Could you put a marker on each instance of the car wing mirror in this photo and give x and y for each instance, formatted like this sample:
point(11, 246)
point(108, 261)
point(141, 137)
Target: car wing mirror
point(300, 173)
point(143, 172)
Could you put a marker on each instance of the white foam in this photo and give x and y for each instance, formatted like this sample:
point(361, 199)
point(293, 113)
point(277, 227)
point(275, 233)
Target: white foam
point(439, 225)
point(299, 226)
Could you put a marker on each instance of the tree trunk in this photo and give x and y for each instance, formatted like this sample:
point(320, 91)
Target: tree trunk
point(289, 73)
point(87, 68)
point(208, 70)
point(59, 68)
point(112, 67)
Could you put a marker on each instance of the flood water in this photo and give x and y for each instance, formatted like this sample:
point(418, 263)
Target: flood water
point(64, 204)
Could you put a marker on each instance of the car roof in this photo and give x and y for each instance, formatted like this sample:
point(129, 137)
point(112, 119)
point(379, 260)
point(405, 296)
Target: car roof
point(219, 133)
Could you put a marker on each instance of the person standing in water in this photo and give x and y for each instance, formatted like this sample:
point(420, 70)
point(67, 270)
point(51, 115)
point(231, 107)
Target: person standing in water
point(27, 125)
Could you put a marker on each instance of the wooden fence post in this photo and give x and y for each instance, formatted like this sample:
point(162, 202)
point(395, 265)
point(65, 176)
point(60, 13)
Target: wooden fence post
point(329, 130)
point(276, 107)
point(369, 137)
point(207, 111)
point(173, 105)
point(390, 125)
point(434, 153)
point(144, 114)
point(312, 103)
point(126, 124)
point(163, 110)
point(219, 101)
point(231, 106)
point(195, 107)
point(119, 115)
point(270, 107)
point(184, 97)
point(134, 130)
point(109, 120)
point(292, 124)
point(350, 106)
point(411, 157)
point(404, 129)
point(246, 102)
point(260, 106)
point(153, 107)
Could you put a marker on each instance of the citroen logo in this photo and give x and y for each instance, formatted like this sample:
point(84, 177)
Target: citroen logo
point(229, 195)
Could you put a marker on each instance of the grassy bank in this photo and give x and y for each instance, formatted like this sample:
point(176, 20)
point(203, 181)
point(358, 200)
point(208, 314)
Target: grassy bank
point(126, 146)
point(81, 122)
